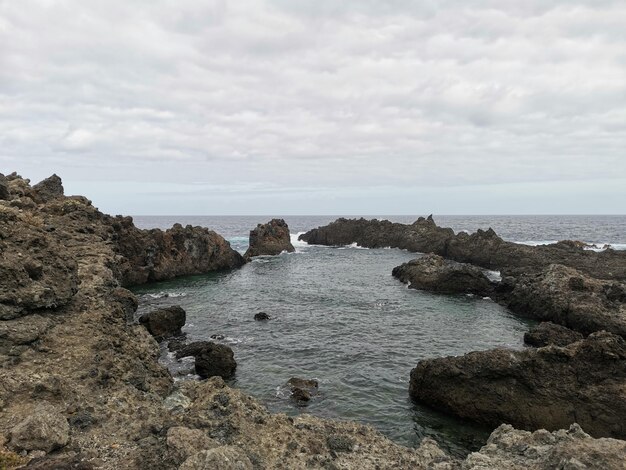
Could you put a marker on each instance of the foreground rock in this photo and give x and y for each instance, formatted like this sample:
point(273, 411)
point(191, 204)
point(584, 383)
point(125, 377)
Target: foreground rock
point(164, 322)
point(483, 248)
point(566, 296)
point(550, 387)
point(45, 430)
point(212, 359)
point(434, 273)
point(271, 238)
point(572, 449)
point(548, 333)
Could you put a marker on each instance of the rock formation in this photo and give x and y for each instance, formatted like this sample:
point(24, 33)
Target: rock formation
point(550, 387)
point(436, 274)
point(483, 248)
point(212, 359)
point(271, 238)
point(547, 333)
point(164, 322)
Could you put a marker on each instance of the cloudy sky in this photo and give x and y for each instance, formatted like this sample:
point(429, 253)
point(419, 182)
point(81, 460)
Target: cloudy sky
point(319, 106)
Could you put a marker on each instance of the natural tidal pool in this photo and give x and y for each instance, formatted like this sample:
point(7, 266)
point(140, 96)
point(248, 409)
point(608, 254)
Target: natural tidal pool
point(340, 317)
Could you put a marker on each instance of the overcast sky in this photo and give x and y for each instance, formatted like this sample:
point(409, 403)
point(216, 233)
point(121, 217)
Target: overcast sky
point(319, 106)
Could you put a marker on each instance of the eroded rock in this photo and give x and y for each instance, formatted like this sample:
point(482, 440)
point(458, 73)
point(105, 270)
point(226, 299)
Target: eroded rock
point(547, 333)
point(550, 387)
point(271, 238)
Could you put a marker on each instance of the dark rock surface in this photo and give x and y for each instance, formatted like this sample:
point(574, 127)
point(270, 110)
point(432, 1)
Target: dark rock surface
point(483, 248)
point(302, 389)
point(212, 359)
point(261, 316)
point(48, 189)
point(550, 387)
point(567, 297)
point(271, 238)
point(547, 333)
point(164, 322)
point(436, 274)
point(4, 187)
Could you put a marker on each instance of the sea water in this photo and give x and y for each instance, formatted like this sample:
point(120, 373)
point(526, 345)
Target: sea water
point(338, 316)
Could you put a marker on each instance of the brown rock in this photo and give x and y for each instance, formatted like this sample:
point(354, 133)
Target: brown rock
point(183, 442)
point(46, 429)
point(550, 387)
point(271, 238)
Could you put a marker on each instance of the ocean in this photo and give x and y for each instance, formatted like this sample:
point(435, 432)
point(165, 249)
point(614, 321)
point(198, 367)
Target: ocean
point(338, 316)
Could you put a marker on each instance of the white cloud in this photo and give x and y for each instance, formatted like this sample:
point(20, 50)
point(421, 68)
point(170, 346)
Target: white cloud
point(318, 94)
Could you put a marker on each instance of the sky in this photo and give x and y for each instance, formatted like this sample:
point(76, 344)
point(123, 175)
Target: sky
point(289, 107)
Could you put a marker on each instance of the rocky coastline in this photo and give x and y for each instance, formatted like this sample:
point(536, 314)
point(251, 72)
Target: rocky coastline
point(81, 386)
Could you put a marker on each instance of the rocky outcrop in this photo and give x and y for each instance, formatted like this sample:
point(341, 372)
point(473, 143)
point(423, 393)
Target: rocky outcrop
point(483, 248)
point(45, 430)
point(156, 255)
point(508, 448)
point(566, 296)
point(436, 274)
point(48, 189)
point(164, 322)
point(4, 187)
point(550, 387)
point(212, 359)
point(547, 333)
point(271, 238)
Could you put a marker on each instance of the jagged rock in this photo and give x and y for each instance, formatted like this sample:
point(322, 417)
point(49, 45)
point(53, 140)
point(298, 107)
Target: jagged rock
point(48, 189)
point(156, 255)
point(550, 387)
point(46, 429)
point(261, 316)
point(511, 449)
point(434, 273)
point(4, 187)
point(183, 442)
point(483, 248)
point(547, 333)
point(220, 458)
point(271, 238)
point(567, 297)
point(164, 322)
point(212, 359)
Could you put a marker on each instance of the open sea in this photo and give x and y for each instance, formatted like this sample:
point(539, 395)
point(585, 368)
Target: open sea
point(340, 317)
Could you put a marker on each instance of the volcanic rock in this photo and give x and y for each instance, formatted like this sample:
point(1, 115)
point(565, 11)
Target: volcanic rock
point(547, 333)
point(212, 359)
point(567, 297)
point(261, 316)
point(183, 442)
point(48, 189)
point(434, 273)
point(302, 389)
point(46, 429)
point(271, 238)
point(222, 458)
point(550, 387)
point(164, 322)
point(4, 187)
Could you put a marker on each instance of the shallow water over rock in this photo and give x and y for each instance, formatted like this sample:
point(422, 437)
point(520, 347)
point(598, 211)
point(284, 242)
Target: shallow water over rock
point(338, 316)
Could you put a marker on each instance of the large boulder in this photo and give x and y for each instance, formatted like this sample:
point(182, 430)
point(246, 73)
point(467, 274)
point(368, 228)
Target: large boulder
point(512, 449)
point(46, 429)
point(547, 333)
point(164, 322)
point(271, 238)
point(436, 274)
point(212, 359)
point(48, 189)
point(550, 387)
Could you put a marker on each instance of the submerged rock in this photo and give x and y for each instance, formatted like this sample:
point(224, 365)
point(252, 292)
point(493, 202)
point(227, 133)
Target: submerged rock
point(550, 387)
point(164, 322)
point(547, 333)
point(436, 274)
point(302, 389)
point(271, 238)
point(261, 316)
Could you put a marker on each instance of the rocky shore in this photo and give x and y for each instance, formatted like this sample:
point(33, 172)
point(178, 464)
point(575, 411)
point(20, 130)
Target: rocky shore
point(81, 386)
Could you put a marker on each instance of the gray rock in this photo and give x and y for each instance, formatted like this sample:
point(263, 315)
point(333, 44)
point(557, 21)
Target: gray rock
point(45, 429)
point(220, 458)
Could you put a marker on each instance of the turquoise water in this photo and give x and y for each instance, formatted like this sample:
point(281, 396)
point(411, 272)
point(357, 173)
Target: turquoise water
point(340, 317)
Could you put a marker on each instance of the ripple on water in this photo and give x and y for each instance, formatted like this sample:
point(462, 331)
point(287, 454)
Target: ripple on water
point(338, 316)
